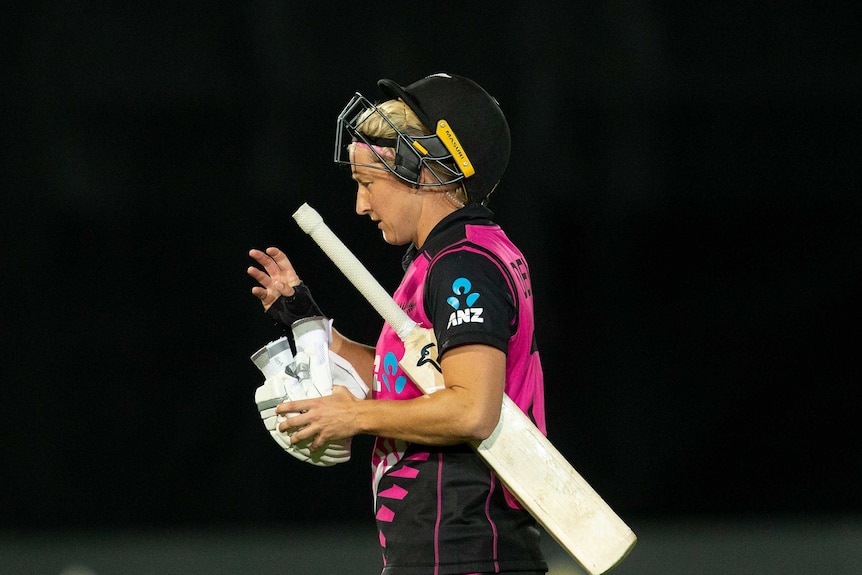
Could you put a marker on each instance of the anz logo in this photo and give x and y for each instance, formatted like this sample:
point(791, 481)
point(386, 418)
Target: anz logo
point(466, 313)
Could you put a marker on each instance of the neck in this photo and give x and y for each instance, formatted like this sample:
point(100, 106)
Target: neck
point(436, 207)
point(453, 199)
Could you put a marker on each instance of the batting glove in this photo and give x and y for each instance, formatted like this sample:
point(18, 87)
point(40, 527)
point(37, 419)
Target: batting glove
point(288, 310)
point(311, 373)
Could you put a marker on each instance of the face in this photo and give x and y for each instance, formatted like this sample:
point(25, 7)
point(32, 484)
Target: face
point(387, 200)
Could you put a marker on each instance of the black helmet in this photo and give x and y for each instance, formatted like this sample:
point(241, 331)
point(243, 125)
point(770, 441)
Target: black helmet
point(468, 125)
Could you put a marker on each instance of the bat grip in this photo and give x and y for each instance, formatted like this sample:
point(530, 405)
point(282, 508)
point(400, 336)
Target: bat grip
point(312, 224)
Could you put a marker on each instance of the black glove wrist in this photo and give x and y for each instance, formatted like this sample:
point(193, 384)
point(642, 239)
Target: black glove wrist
point(300, 305)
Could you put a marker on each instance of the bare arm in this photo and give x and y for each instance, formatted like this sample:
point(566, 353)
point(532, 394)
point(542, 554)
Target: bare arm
point(360, 356)
point(467, 409)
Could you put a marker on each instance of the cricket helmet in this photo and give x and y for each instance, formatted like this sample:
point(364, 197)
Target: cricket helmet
point(469, 140)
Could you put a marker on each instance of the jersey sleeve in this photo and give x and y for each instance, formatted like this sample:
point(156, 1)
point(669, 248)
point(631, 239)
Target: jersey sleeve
point(468, 299)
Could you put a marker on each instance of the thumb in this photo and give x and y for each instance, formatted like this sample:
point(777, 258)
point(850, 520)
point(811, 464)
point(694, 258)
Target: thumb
point(284, 289)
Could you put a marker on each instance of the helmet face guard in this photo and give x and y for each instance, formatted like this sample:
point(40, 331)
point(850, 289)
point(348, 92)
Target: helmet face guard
point(412, 153)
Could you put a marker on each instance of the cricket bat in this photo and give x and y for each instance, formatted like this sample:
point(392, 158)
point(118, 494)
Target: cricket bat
point(533, 470)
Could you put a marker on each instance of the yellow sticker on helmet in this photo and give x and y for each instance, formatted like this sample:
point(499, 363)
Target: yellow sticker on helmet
point(447, 136)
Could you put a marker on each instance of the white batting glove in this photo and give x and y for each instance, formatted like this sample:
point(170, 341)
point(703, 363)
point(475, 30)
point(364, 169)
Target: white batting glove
point(311, 373)
point(326, 368)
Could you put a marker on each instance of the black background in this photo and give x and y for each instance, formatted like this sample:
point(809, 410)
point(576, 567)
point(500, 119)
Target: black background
point(684, 183)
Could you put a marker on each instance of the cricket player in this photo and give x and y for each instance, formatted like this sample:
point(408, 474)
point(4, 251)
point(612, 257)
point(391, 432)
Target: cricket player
point(425, 159)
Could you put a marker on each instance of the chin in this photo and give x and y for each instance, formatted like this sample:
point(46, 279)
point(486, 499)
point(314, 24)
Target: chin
point(393, 241)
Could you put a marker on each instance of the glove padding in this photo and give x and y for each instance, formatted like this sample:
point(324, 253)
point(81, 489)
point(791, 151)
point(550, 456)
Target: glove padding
point(311, 373)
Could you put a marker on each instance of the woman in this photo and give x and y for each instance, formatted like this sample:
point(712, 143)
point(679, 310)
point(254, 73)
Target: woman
point(425, 162)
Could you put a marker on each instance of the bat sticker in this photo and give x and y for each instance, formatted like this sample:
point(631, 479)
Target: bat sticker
point(425, 357)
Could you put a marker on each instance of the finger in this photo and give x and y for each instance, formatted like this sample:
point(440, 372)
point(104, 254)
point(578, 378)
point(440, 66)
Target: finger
point(307, 438)
point(259, 256)
point(263, 295)
point(289, 274)
point(283, 289)
point(273, 269)
point(275, 253)
point(300, 406)
point(262, 278)
point(291, 427)
point(268, 291)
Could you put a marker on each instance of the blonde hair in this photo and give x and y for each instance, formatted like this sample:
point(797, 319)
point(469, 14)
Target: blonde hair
point(373, 125)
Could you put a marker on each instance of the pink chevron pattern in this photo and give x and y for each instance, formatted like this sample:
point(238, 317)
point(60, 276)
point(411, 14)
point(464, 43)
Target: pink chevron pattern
point(394, 492)
point(385, 514)
point(406, 472)
point(423, 456)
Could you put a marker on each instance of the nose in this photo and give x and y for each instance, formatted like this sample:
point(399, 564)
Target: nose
point(362, 205)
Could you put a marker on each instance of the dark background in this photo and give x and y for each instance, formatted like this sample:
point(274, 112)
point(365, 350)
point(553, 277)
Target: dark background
point(684, 183)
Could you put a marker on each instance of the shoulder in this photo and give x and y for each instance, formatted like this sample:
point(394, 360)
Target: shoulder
point(456, 228)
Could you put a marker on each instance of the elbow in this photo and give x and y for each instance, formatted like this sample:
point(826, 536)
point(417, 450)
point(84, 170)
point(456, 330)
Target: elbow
point(480, 419)
point(483, 427)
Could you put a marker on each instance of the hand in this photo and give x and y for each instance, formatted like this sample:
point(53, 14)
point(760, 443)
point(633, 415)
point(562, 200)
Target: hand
point(279, 279)
point(273, 391)
point(314, 372)
point(322, 420)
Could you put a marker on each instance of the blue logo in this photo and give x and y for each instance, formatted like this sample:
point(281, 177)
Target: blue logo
point(462, 287)
point(390, 370)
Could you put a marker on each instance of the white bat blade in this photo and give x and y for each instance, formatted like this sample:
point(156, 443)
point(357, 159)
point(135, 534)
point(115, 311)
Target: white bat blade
point(554, 493)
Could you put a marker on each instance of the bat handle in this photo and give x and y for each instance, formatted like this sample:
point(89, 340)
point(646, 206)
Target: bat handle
point(312, 223)
point(417, 340)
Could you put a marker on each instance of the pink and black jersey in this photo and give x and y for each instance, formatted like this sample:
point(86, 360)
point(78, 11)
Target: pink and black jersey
point(441, 510)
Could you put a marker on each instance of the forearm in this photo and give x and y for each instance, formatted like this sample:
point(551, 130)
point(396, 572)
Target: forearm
point(442, 418)
point(467, 409)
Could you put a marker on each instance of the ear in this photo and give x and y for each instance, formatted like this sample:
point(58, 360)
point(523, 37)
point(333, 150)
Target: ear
point(426, 176)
